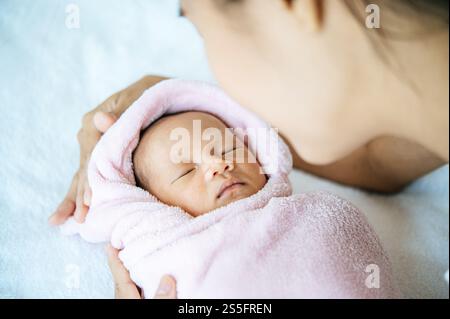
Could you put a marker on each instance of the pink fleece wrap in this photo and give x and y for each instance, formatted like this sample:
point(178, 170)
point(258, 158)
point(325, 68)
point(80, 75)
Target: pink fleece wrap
point(270, 245)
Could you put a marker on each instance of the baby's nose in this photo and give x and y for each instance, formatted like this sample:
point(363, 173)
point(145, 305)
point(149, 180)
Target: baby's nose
point(215, 169)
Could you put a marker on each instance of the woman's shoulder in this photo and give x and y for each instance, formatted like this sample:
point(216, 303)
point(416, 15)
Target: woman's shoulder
point(400, 161)
point(386, 164)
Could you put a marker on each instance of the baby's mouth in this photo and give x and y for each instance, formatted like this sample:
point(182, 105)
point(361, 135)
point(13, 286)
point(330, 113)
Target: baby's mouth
point(228, 186)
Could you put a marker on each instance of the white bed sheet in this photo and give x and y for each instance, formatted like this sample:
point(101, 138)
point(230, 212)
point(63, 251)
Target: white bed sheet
point(50, 75)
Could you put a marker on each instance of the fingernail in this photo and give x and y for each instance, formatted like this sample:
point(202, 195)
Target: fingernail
point(165, 287)
point(87, 197)
point(77, 215)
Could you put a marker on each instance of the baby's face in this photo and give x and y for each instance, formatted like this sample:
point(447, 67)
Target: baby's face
point(196, 173)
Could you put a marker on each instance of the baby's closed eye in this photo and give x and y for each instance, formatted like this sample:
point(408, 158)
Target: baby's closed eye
point(190, 170)
point(228, 151)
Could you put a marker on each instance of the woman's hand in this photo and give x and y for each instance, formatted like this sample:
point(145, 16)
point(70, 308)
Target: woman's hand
point(125, 288)
point(78, 198)
point(96, 122)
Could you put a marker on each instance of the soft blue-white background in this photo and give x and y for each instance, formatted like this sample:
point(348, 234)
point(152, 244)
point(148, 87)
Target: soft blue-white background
point(51, 75)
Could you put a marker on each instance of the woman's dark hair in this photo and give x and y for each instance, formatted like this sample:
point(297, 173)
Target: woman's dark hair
point(398, 16)
point(401, 20)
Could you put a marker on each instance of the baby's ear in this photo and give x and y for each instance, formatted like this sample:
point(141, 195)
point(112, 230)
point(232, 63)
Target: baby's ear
point(307, 12)
point(104, 120)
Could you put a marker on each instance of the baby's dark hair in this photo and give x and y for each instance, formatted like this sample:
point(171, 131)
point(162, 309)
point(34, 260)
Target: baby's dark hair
point(139, 176)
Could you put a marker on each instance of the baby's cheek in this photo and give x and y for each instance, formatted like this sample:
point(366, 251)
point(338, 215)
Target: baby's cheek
point(254, 174)
point(194, 198)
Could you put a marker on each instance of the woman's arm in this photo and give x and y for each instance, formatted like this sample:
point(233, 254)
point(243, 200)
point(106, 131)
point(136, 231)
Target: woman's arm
point(94, 123)
point(385, 165)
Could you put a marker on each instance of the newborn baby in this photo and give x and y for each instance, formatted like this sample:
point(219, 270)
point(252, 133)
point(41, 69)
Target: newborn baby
point(218, 176)
point(218, 214)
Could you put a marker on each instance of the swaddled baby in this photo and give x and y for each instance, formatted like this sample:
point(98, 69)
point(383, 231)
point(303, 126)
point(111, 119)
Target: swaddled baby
point(206, 173)
point(213, 207)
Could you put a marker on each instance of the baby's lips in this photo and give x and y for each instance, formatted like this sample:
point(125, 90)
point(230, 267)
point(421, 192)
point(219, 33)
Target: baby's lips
point(227, 184)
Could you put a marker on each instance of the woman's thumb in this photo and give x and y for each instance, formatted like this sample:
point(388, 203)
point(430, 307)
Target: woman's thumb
point(167, 288)
point(104, 120)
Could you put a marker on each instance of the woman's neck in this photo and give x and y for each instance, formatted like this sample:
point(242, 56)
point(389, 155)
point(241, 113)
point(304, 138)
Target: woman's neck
point(418, 101)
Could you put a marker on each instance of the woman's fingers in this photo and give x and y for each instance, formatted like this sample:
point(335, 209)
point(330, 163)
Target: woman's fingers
point(81, 209)
point(167, 288)
point(75, 203)
point(103, 120)
point(63, 212)
point(78, 199)
point(124, 286)
point(67, 207)
point(87, 193)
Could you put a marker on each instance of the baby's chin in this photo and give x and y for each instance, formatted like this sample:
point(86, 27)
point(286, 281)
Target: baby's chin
point(229, 197)
point(221, 204)
point(241, 192)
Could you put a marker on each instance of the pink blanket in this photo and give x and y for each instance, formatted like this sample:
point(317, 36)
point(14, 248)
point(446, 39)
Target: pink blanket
point(270, 245)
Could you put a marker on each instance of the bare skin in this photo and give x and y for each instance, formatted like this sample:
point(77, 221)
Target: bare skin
point(350, 116)
point(213, 173)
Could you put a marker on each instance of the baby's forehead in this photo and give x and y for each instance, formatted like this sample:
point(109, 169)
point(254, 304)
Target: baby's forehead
point(189, 121)
point(163, 133)
point(158, 139)
point(186, 119)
